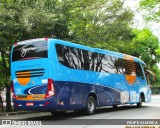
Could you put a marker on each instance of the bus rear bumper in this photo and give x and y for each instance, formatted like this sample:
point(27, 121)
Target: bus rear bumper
point(37, 105)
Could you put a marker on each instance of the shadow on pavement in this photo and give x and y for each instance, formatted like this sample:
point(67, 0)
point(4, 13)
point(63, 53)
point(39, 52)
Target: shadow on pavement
point(71, 115)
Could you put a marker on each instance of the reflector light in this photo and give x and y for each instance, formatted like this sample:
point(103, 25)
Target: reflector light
point(12, 89)
point(46, 39)
point(15, 44)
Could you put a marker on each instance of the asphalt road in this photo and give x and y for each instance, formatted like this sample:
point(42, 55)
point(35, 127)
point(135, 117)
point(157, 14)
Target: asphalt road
point(105, 115)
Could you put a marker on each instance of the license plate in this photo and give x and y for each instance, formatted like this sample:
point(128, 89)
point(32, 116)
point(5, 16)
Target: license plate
point(29, 104)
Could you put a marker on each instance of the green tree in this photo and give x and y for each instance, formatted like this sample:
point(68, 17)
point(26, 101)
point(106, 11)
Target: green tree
point(103, 24)
point(19, 21)
point(9, 31)
point(152, 7)
point(145, 45)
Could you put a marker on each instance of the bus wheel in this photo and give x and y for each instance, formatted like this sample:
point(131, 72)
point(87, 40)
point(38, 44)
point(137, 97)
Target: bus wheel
point(114, 107)
point(91, 105)
point(139, 104)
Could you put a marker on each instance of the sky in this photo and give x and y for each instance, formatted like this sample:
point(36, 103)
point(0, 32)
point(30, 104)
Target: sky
point(138, 21)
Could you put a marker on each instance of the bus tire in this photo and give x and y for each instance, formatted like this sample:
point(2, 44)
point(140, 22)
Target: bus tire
point(114, 107)
point(91, 105)
point(139, 104)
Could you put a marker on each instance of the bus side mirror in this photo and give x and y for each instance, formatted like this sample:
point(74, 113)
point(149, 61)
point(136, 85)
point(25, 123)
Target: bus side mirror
point(152, 74)
point(155, 78)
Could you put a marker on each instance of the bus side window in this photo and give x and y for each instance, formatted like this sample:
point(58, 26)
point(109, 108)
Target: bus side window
point(139, 71)
point(130, 68)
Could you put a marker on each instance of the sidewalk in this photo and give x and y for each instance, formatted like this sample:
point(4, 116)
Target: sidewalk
point(3, 113)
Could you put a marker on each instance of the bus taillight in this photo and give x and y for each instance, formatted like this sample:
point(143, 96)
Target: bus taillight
point(50, 90)
point(12, 89)
point(15, 44)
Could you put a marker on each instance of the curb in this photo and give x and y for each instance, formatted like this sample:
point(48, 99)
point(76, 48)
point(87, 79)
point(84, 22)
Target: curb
point(16, 113)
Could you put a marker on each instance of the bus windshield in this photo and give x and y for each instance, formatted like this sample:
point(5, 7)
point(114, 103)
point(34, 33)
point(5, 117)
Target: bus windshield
point(31, 49)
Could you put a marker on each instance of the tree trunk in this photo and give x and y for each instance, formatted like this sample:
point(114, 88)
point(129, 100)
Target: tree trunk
point(6, 76)
point(8, 99)
point(1, 102)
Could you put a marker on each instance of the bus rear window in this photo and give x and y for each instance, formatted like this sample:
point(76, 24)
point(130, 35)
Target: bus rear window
point(31, 49)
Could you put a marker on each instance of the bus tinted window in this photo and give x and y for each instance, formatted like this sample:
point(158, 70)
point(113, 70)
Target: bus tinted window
point(130, 67)
point(139, 71)
point(85, 60)
point(30, 50)
point(73, 57)
point(112, 64)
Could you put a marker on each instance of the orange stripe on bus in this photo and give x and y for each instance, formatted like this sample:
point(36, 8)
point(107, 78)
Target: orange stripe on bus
point(26, 80)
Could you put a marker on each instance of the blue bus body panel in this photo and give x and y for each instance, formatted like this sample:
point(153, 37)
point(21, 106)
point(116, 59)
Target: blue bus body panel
point(31, 66)
point(72, 86)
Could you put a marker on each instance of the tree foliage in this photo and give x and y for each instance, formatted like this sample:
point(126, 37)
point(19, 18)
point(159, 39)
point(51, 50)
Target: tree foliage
point(145, 46)
point(17, 24)
point(153, 9)
point(103, 24)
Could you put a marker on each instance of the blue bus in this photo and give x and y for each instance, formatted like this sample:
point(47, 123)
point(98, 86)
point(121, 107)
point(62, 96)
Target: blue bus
point(56, 76)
